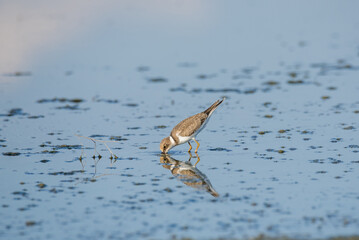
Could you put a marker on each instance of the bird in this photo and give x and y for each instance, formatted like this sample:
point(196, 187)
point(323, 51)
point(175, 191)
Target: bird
point(188, 129)
point(188, 174)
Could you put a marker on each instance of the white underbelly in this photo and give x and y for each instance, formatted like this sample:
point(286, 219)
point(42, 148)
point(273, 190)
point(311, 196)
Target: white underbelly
point(184, 139)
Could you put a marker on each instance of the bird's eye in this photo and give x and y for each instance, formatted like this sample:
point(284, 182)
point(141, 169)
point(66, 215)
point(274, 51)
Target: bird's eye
point(164, 147)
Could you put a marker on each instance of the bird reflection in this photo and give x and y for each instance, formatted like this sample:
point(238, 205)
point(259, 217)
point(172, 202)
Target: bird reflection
point(188, 173)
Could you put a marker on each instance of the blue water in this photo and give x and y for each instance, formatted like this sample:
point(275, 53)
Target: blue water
point(281, 151)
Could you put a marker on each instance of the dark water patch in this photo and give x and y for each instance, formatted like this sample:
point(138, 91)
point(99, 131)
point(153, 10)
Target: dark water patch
point(138, 183)
point(271, 83)
point(69, 73)
point(223, 90)
point(72, 107)
point(293, 74)
point(66, 146)
point(54, 190)
point(66, 173)
point(128, 158)
point(14, 112)
point(187, 64)
point(267, 104)
point(112, 101)
point(336, 140)
point(157, 80)
point(19, 74)
point(178, 89)
point(206, 76)
point(126, 175)
point(44, 161)
point(143, 68)
point(12, 154)
point(31, 223)
point(118, 138)
point(328, 160)
point(332, 88)
point(340, 65)
point(61, 100)
point(160, 127)
point(21, 193)
point(164, 116)
point(133, 128)
point(352, 146)
point(50, 151)
point(130, 104)
point(295, 82)
point(35, 117)
point(220, 149)
point(250, 91)
point(52, 133)
point(98, 136)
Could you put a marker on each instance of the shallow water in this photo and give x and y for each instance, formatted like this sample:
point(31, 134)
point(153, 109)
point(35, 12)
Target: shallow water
point(281, 151)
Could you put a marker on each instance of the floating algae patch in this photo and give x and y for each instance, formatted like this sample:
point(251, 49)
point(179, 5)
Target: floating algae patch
point(35, 117)
point(66, 146)
point(271, 83)
point(157, 80)
point(220, 149)
point(130, 104)
point(71, 107)
point(11, 154)
point(60, 100)
point(14, 112)
point(223, 90)
point(112, 101)
point(69, 173)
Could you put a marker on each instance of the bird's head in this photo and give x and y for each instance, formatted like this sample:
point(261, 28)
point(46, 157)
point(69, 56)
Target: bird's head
point(166, 145)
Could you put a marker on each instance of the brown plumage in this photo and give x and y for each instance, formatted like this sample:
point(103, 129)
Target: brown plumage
point(188, 126)
point(187, 129)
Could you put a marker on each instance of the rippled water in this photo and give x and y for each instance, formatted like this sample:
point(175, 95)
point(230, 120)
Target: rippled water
point(281, 152)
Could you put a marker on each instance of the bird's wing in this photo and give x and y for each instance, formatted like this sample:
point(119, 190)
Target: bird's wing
point(190, 125)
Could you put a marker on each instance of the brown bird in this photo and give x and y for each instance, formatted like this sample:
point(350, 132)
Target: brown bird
point(188, 129)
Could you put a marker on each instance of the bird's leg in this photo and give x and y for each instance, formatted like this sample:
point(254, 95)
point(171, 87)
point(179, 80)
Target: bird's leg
point(190, 156)
point(190, 147)
point(197, 145)
point(198, 159)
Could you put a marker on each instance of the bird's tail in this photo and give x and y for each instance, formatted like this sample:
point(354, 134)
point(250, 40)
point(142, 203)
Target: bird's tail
point(214, 106)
